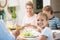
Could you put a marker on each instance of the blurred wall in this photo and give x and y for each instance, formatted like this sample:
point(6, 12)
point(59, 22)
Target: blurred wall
point(46, 2)
point(56, 7)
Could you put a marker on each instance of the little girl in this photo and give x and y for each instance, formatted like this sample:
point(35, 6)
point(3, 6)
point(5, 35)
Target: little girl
point(42, 23)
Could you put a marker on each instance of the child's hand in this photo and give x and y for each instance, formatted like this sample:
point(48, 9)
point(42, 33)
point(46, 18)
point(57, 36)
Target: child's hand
point(38, 29)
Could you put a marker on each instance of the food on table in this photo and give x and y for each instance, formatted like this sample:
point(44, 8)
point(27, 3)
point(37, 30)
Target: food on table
point(13, 27)
point(28, 35)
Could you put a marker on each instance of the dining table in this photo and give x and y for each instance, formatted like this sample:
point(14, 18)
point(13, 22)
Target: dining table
point(57, 34)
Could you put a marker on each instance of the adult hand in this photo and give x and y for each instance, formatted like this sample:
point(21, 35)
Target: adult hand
point(16, 33)
point(26, 25)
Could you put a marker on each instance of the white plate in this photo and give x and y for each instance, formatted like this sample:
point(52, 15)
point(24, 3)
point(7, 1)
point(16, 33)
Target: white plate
point(56, 31)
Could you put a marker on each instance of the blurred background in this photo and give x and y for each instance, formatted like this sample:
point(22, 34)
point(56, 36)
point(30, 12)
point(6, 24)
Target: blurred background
point(14, 10)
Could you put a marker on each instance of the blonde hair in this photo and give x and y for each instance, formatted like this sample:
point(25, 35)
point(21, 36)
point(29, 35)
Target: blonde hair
point(29, 3)
point(44, 15)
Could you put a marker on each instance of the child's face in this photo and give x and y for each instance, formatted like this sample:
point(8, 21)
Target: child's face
point(41, 21)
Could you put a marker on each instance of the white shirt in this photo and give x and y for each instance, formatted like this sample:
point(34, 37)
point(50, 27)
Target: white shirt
point(29, 20)
point(48, 33)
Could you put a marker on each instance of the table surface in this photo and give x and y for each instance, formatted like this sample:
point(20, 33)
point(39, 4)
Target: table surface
point(57, 33)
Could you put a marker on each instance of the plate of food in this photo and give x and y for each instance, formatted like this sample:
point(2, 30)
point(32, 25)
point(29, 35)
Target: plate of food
point(29, 36)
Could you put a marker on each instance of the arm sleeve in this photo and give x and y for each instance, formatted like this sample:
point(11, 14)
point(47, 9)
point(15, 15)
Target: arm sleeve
point(4, 34)
point(58, 23)
point(46, 32)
